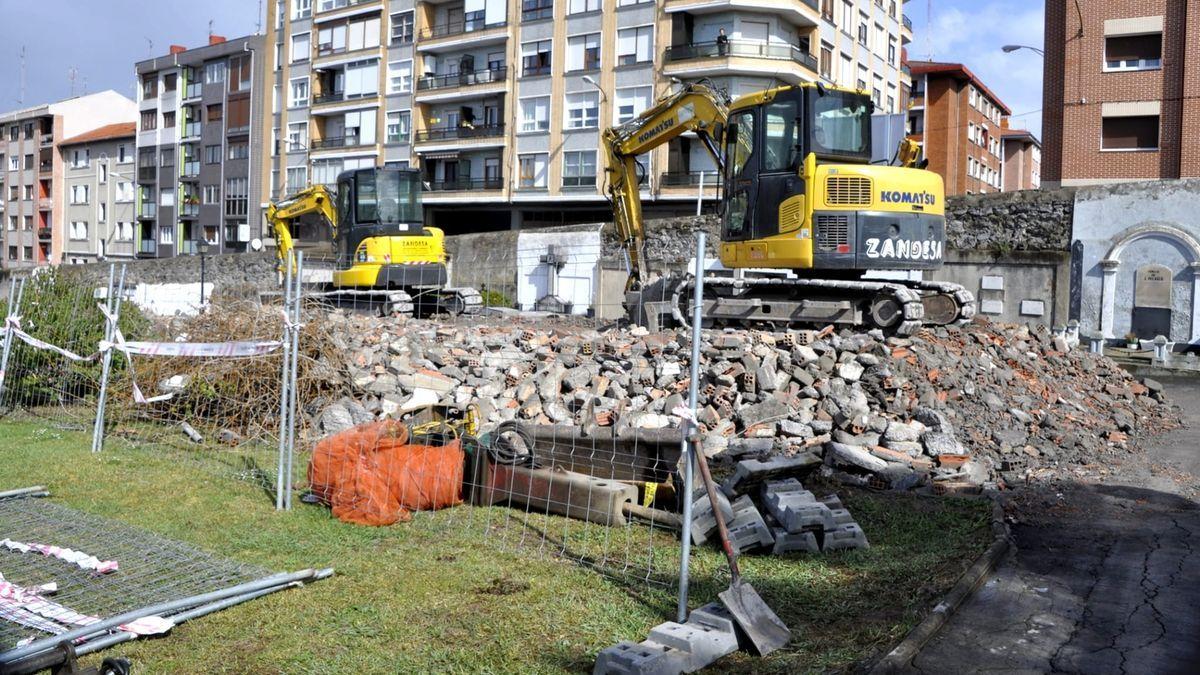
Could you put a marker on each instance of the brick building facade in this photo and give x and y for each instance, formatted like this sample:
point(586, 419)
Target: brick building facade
point(1118, 98)
point(1022, 160)
point(957, 120)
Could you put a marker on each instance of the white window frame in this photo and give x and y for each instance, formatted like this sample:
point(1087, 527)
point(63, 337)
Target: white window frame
point(617, 103)
point(78, 230)
point(293, 100)
point(637, 55)
point(583, 6)
point(300, 142)
point(1128, 65)
point(585, 121)
point(539, 125)
point(301, 9)
point(580, 41)
point(307, 53)
point(579, 155)
point(535, 184)
point(76, 191)
point(400, 81)
point(404, 128)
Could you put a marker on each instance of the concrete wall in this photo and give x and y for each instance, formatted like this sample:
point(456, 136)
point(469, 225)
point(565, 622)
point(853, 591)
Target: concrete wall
point(1014, 287)
point(1121, 229)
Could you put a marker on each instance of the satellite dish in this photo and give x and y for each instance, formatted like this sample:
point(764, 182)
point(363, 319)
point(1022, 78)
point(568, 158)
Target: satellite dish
point(256, 244)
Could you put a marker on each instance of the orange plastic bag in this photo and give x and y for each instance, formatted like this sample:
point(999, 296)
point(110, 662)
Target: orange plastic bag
point(371, 475)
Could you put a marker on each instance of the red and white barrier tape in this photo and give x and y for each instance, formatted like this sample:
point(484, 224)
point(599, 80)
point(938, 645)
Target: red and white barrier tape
point(83, 560)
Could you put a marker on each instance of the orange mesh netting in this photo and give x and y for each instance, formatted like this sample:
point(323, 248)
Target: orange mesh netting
point(371, 475)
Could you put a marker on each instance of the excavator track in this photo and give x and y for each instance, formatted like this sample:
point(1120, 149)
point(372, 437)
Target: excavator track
point(898, 307)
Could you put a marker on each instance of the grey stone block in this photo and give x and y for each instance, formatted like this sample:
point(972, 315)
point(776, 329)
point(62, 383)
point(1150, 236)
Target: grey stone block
point(703, 522)
point(647, 658)
point(845, 537)
point(788, 542)
point(748, 530)
point(751, 473)
point(841, 517)
point(701, 643)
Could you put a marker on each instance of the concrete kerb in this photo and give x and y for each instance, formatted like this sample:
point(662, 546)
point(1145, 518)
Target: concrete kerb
point(900, 657)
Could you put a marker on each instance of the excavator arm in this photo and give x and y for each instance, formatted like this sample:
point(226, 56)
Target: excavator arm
point(697, 108)
point(315, 199)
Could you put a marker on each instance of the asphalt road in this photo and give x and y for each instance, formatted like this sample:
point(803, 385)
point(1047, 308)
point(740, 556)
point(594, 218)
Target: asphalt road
point(1105, 577)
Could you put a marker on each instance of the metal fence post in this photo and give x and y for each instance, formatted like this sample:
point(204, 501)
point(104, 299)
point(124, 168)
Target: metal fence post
point(113, 304)
point(15, 291)
point(689, 449)
point(283, 377)
point(292, 386)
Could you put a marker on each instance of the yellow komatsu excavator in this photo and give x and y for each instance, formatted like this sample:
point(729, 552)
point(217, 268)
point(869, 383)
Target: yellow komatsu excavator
point(383, 255)
point(799, 198)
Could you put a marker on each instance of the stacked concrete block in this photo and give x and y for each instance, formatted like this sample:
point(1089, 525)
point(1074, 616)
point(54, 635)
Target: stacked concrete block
point(704, 524)
point(747, 529)
point(674, 648)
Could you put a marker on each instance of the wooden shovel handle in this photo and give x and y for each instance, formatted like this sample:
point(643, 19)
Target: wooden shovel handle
point(711, 488)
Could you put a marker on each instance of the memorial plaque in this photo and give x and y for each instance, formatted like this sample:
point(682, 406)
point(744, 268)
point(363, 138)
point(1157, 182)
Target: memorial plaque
point(1152, 288)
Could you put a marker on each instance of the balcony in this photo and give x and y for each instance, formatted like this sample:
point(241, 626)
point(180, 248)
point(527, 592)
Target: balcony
point(328, 6)
point(148, 211)
point(803, 13)
point(147, 247)
point(192, 91)
point(189, 247)
point(46, 167)
point(466, 79)
point(467, 184)
point(47, 140)
point(189, 210)
point(191, 170)
point(460, 133)
point(45, 234)
point(907, 22)
point(45, 204)
point(739, 57)
point(454, 34)
point(334, 142)
point(191, 130)
point(147, 174)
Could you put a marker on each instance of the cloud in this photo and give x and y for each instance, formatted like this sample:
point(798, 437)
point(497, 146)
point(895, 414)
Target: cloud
point(973, 31)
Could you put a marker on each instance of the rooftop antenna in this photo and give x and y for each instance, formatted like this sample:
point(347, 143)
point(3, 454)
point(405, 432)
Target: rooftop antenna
point(72, 73)
point(21, 91)
point(928, 30)
point(258, 22)
point(149, 48)
point(85, 85)
point(210, 32)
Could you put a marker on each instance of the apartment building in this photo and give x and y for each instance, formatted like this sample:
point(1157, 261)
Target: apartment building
point(199, 115)
point(1022, 160)
point(957, 120)
point(1121, 95)
point(32, 173)
point(501, 104)
point(100, 191)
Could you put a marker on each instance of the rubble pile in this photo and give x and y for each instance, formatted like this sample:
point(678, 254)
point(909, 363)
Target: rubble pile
point(951, 408)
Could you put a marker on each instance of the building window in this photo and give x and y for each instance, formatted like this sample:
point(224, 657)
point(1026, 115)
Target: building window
point(80, 158)
point(29, 193)
point(582, 6)
point(169, 120)
point(12, 252)
point(167, 157)
point(360, 128)
point(214, 73)
point(862, 30)
point(239, 73)
point(212, 154)
point(239, 150)
point(398, 125)
point(149, 120)
point(297, 178)
point(579, 168)
point(78, 230)
point(826, 61)
point(533, 170)
point(301, 47)
point(301, 9)
point(400, 77)
point(1133, 52)
point(236, 196)
point(124, 231)
point(331, 40)
point(14, 132)
point(170, 80)
point(630, 102)
point(214, 112)
point(27, 224)
point(1130, 133)
point(297, 137)
point(535, 113)
point(402, 28)
point(14, 163)
point(325, 171)
point(583, 110)
point(12, 223)
point(891, 50)
point(583, 52)
point(535, 10)
point(298, 93)
point(28, 252)
point(101, 212)
point(79, 194)
point(212, 194)
point(166, 235)
point(635, 45)
point(150, 86)
point(362, 34)
point(124, 192)
point(535, 58)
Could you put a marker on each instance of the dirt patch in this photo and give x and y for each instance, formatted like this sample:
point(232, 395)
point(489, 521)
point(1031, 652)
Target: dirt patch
point(503, 586)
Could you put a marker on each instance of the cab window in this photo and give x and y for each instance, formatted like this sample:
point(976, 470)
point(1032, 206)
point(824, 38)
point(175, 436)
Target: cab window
point(741, 142)
point(740, 151)
point(780, 137)
point(367, 197)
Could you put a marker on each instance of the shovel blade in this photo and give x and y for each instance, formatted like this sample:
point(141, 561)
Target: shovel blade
point(763, 629)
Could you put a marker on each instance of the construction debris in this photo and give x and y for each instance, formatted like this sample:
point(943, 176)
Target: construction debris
point(950, 409)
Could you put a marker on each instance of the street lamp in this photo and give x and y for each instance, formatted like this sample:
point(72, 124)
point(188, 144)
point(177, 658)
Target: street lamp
point(592, 81)
point(1008, 49)
point(203, 251)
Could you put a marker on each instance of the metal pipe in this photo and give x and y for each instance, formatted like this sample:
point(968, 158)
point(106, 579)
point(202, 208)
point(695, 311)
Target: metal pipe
point(689, 458)
point(166, 607)
point(23, 492)
point(16, 292)
point(114, 308)
point(292, 386)
point(283, 377)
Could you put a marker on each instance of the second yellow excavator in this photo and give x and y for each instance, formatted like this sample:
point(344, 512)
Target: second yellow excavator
point(801, 201)
point(384, 257)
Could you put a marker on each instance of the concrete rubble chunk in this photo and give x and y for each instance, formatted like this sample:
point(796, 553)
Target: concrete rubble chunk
point(855, 456)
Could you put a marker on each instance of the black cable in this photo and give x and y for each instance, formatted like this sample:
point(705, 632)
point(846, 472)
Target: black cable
point(503, 451)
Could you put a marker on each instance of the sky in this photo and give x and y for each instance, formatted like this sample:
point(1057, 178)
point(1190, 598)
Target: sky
point(102, 39)
point(972, 32)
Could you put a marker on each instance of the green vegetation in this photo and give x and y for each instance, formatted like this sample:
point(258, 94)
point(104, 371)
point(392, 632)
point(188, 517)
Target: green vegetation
point(437, 595)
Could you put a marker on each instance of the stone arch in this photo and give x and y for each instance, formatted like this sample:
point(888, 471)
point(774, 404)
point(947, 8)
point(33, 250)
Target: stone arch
point(1112, 261)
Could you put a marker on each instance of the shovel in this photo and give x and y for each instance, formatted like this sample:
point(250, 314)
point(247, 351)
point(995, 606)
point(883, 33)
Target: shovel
point(765, 631)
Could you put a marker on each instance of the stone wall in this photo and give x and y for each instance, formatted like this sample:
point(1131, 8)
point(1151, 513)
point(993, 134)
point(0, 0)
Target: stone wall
point(226, 271)
point(1029, 220)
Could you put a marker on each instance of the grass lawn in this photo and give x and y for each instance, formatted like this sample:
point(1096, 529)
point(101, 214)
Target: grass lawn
point(436, 595)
